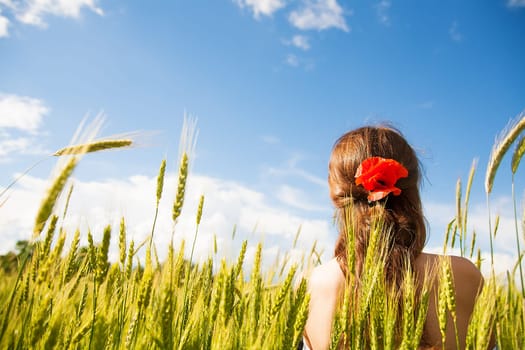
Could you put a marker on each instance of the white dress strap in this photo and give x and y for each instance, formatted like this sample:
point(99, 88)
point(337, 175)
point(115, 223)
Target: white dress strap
point(305, 347)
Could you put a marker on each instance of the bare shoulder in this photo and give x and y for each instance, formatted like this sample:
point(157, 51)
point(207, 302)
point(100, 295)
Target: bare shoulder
point(467, 280)
point(467, 276)
point(464, 267)
point(326, 278)
point(325, 285)
point(460, 265)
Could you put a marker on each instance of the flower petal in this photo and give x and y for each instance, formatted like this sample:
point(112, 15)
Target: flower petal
point(379, 175)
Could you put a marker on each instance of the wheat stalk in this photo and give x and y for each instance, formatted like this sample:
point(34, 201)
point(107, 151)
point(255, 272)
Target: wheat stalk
point(300, 321)
point(129, 264)
point(93, 146)
point(181, 188)
point(122, 242)
point(102, 264)
point(160, 180)
point(505, 140)
point(199, 210)
point(50, 199)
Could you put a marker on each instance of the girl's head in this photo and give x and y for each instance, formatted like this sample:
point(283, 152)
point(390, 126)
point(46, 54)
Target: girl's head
point(402, 214)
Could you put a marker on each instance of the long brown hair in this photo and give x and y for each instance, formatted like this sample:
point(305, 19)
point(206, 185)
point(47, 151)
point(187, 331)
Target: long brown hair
point(402, 215)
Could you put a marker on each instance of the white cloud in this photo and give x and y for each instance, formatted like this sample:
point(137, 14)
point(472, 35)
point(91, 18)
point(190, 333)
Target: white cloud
point(21, 112)
point(297, 198)
point(382, 9)
point(96, 204)
point(440, 214)
point(454, 32)
point(33, 12)
point(292, 60)
point(505, 240)
point(295, 61)
point(291, 169)
point(301, 42)
point(21, 118)
point(320, 15)
point(261, 7)
point(516, 3)
point(503, 262)
point(22, 145)
point(505, 256)
point(4, 26)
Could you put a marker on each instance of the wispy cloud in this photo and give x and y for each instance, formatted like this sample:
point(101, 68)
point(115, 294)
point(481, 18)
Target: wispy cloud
point(516, 3)
point(292, 60)
point(309, 15)
point(7, 3)
point(296, 61)
point(33, 12)
point(291, 169)
point(20, 123)
point(319, 15)
point(4, 26)
point(297, 198)
point(301, 42)
point(382, 11)
point(10, 146)
point(21, 112)
point(261, 7)
point(454, 32)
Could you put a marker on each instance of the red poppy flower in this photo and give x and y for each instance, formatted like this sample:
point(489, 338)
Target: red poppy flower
point(379, 176)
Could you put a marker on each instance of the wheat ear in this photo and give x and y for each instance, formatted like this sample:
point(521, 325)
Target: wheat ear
point(49, 201)
point(514, 129)
point(93, 146)
point(518, 154)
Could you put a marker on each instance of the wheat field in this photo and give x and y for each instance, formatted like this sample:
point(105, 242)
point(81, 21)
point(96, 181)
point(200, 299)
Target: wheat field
point(54, 296)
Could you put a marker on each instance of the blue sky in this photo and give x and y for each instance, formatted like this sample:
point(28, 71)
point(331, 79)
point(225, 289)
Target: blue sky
point(273, 83)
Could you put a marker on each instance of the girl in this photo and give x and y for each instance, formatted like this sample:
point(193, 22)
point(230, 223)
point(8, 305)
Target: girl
point(374, 174)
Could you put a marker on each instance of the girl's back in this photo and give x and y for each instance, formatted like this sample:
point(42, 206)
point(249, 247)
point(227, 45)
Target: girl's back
point(327, 282)
point(467, 285)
